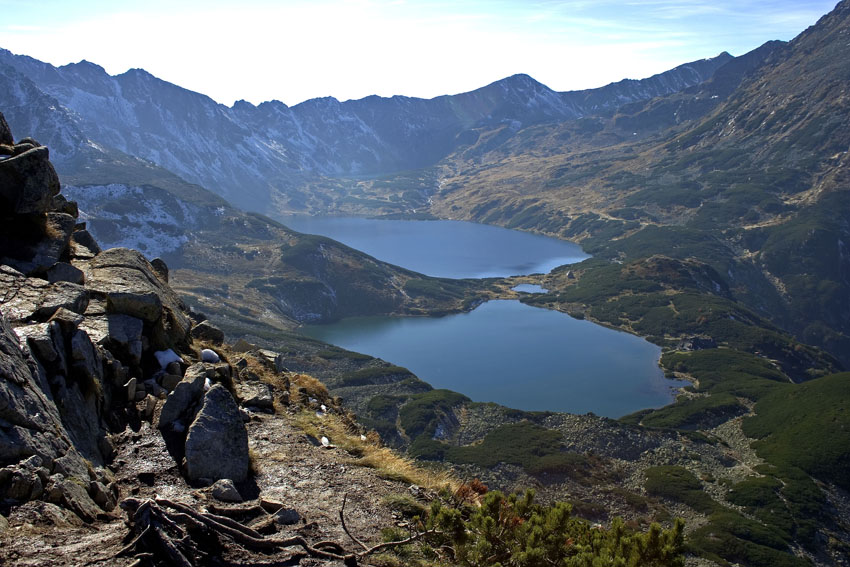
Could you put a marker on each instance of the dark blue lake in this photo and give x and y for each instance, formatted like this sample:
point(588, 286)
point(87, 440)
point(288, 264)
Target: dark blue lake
point(516, 355)
point(449, 249)
point(504, 351)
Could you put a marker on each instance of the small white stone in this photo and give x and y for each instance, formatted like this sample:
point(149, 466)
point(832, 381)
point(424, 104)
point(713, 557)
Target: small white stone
point(209, 355)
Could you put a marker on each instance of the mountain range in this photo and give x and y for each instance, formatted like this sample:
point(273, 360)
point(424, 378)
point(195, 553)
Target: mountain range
point(715, 199)
point(253, 155)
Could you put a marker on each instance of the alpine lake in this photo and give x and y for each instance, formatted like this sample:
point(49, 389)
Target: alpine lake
point(503, 351)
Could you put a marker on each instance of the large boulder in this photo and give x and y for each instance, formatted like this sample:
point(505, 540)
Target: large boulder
point(28, 182)
point(184, 396)
point(217, 444)
point(130, 286)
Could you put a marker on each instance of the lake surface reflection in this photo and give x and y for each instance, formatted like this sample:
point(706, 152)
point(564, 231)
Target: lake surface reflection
point(449, 249)
point(516, 355)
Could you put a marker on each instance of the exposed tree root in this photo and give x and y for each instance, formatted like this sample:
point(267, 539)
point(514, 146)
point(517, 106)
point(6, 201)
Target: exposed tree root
point(168, 533)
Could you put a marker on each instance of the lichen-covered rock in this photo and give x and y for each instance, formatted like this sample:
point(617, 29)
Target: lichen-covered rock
point(28, 299)
point(128, 282)
point(217, 443)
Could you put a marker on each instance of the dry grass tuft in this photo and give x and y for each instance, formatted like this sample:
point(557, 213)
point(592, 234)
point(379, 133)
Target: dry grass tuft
point(312, 387)
point(369, 453)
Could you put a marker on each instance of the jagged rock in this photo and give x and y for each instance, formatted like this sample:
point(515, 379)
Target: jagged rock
point(217, 443)
point(206, 331)
point(71, 465)
point(44, 245)
point(61, 295)
point(67, 320)
point(129, 284)
point(34, 299)
point(256, 394)
point(121, 334)
point(101, 496)
point(83, 245)
point(65, 272)
point(5, 132)
point(184, 395)
point(24, 481)
point(273, 360)
point(29, 420)
point(87, 360)
point(225, 491)
point(63, 205)
point(73, 496)
point(4, 525)
point(28, 182)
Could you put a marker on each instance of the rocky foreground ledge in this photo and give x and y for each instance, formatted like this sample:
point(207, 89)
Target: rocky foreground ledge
point(117, 401)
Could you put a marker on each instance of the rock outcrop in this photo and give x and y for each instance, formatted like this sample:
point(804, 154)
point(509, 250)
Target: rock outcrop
point(80, 329)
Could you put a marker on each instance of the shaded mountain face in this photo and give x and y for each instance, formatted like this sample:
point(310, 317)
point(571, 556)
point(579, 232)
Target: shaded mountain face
point(248, 154)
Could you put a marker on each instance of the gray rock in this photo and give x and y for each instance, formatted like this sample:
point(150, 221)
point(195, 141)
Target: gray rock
point(4, 523)
point(225, 491)
point(217, 443)
point(187, 392)
point(256, 394)
point(286, 517)
point(73, 496)
point(71, 465)
point(86, 359)
point(28, 182)
point(30, 423)
point(65, 272)
point(101, 496)
point(121, 334)
point(83, 245)
point(127, 281)
point(63, 295)
point(274, 360)
point(170, 381)
point(206, 331)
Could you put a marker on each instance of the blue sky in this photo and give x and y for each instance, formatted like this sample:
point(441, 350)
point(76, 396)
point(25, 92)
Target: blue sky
point(292, 50)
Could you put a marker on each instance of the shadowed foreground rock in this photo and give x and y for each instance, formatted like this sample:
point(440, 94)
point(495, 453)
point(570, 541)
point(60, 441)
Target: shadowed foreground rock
point(217, 444)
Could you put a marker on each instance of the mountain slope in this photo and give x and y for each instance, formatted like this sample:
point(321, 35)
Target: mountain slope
point(753, 182)
point(250, 154)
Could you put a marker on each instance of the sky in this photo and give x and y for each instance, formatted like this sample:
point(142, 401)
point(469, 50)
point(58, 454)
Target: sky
point(293, 50)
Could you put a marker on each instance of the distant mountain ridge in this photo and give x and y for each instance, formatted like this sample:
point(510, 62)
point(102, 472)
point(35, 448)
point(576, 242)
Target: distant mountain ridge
point(248, 153)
